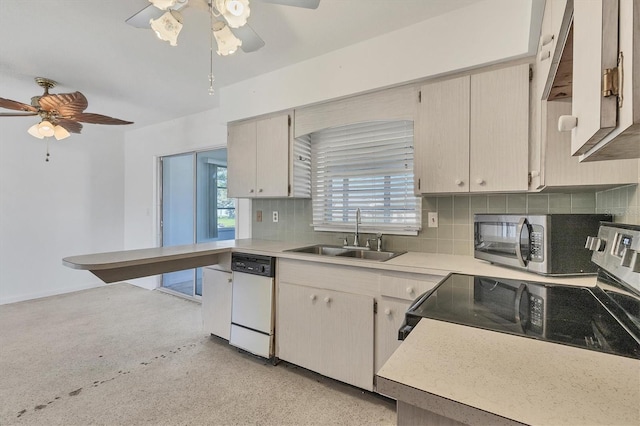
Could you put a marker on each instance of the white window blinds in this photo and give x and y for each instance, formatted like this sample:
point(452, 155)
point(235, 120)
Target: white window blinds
point(367, 166)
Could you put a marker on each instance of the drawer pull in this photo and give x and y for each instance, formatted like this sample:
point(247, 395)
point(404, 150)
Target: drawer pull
point(387, 311)
point(312, 297)
point(410, 290)
point(327, 299)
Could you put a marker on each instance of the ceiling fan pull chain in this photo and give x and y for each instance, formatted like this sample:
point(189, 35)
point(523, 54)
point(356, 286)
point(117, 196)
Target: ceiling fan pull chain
point(47, 157)
point(211, 78)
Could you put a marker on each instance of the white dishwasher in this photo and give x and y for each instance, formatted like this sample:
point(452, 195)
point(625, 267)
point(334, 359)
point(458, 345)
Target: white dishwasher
point(252, 303)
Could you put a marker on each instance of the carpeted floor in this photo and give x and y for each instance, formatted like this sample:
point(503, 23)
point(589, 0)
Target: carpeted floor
point(122, 355)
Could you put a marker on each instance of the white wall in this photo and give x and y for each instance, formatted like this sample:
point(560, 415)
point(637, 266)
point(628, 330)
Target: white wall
point(143, 147)
point(71, 205)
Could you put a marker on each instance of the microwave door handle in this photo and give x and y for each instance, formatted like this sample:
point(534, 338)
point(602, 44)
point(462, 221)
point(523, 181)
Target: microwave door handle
point(521, 225)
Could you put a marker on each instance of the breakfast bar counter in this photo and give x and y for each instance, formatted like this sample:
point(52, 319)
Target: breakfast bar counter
point(464, 375)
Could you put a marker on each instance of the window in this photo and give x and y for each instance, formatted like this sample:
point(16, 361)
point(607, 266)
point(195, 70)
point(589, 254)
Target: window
point(367, 166)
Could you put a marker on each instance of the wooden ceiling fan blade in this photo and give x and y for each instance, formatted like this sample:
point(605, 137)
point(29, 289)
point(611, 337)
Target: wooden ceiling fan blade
point(70, 125)
point(65, 104)
point(251, 41)
point(307, 4)
point(15, 114)
point(98, 119)
point(18, 106)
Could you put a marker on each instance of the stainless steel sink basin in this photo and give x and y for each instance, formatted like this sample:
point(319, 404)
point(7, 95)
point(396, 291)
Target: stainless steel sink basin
point(355, 253)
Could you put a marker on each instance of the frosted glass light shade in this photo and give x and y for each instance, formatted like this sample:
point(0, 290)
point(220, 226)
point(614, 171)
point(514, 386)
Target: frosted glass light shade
point(60, 132)
point(227, 42)
point(236, 12)
point(163, 4)
point(45, 128)
point(33, 131)
point(168, 26)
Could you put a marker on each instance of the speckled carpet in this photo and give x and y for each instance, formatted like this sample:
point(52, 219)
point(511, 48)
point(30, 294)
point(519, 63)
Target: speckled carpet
point(122, 355)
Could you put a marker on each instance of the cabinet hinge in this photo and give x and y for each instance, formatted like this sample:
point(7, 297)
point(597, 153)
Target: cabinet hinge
point(419, 96)
point(530, 74)
point(289, 189)
point(418, 183)
point(288, 120)
point(375, 307)
point(612, 81)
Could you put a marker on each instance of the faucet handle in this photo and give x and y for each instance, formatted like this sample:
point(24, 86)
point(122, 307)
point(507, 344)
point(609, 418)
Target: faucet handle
point(345, 242)
point(368, 245)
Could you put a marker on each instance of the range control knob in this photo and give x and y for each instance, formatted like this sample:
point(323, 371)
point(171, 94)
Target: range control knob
point(595, 244)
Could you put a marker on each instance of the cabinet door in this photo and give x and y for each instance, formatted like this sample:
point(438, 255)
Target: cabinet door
point(241, 159)
point(298, 326)
point(595, 48)
point(499, 130)
point(388, 321)
point(347, 338)
point(216, 302)
point(442, 137)
point(272, 150)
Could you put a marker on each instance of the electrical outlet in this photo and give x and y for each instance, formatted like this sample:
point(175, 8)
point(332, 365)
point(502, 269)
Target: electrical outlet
point(258, 215)
point(432, 219)
point(275, 216)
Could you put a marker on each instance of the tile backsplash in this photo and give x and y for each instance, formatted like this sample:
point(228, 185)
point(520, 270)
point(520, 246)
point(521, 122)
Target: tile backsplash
point(454, 234)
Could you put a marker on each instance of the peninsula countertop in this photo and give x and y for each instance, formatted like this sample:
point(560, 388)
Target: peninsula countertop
point(128, 264)
point(441, 364)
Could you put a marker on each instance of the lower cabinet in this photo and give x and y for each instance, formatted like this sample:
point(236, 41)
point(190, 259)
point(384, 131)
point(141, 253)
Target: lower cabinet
point(327, 331)
point(389, 318)
point(216, 302)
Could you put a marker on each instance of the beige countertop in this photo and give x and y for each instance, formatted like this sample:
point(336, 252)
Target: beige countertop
point(129, 264)
point(525, 380)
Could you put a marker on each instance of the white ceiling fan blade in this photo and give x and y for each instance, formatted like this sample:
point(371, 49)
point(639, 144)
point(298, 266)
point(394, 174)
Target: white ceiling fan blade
point(307, 4)
point(251, 41)
point(141, 19)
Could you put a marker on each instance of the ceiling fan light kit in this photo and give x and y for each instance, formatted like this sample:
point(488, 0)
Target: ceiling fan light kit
point(226, 41)
point(163, 4)
point(168, 26)
point(235, 12)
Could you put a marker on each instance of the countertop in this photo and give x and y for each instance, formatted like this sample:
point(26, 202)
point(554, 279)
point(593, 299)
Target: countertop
point(152, 261)
point(524, 380)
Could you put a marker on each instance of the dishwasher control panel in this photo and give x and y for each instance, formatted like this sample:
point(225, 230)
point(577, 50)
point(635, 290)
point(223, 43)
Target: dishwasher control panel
point(254, 264)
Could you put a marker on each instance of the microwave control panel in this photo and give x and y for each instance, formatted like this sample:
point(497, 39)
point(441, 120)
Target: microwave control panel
point(537, 243)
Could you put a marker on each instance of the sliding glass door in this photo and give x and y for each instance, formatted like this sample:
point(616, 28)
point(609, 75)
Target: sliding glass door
point(195, 209)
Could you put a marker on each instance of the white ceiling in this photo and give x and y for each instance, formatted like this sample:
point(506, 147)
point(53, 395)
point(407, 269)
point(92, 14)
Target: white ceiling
point(128, 73)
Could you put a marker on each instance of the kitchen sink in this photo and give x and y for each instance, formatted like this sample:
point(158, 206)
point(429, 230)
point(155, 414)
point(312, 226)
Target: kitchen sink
point(350, 252)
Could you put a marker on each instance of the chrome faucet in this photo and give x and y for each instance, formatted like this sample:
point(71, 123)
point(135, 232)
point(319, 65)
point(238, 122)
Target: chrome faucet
point(356, 242)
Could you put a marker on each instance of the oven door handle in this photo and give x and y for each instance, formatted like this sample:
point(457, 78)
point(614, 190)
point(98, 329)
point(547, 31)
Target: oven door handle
point(523, 222)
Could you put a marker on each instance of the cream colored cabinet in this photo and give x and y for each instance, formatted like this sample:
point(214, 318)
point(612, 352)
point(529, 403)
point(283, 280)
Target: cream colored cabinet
point(472, 133)
point(605, 57)
point(397, 291)
point(558, 169)
point(327, 331)
point(258, 157)
point(216, 301)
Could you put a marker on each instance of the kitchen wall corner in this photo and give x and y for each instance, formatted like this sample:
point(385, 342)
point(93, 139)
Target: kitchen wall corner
point(622, 202)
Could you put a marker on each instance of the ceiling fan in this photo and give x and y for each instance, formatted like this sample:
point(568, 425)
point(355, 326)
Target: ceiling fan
point(230, 15)
point(60, 114)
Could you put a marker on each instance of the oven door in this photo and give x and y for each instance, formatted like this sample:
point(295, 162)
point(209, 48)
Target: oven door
point(503, 239)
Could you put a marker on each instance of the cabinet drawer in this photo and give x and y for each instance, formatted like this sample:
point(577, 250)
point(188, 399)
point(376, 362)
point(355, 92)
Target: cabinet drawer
point(406, 286)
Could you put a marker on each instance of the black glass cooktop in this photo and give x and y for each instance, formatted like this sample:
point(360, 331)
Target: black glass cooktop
point(591, 318)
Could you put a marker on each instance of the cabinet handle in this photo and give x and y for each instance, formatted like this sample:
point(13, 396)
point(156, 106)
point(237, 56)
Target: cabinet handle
point(546, 39)
point(480, 181)
point(260, 190)
point(230, 280)
point(312, 297)
point(535, 173)
point(387, 311)
point(327, 299)
point(459, 182)
point(567, 122)
point(544, 55)
point(410, 290)
point(251, 191)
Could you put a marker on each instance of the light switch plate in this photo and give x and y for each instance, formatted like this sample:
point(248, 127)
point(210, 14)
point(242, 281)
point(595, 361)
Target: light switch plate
point(258, 215)
point(275, 216)
point(433, 219)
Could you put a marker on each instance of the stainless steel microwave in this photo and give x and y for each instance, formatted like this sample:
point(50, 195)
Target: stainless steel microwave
point(547, 244)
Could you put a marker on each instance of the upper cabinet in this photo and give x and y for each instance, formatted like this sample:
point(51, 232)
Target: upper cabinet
point(472, 133)
point(259, 155)
point(602, 49)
